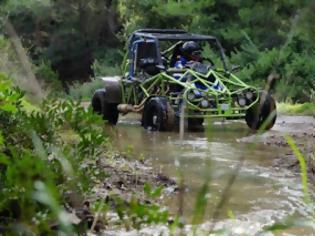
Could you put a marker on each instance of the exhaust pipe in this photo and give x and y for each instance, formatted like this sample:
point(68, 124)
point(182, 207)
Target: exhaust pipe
point(126, 108)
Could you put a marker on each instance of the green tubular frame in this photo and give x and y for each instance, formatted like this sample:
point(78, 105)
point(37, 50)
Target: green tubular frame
point(133, 92)
point(223, 102)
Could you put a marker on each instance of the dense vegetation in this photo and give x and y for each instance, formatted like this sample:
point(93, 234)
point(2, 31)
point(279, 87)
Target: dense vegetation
point(51, 159)
point(75, 40)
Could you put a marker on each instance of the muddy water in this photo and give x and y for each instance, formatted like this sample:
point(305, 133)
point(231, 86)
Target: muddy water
point(260, 194)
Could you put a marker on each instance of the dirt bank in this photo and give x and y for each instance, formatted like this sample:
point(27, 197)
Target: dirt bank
point(302, 130)
point(124, 182)
point(127, 178)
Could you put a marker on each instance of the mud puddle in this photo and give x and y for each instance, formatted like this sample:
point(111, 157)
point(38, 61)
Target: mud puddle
point(262, 192)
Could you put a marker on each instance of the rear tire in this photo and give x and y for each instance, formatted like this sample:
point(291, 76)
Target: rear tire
point(108, 111)
point(158, 115)
point(263, 115)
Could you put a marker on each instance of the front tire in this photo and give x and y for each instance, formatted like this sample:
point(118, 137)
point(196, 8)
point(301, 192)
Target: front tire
point(158, 115)
point(263, 115)
point(107, 110)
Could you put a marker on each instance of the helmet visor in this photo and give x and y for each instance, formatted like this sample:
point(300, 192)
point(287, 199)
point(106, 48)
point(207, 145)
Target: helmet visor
point(196, 53)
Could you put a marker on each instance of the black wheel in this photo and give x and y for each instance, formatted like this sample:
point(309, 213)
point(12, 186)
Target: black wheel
point(263, 115)
point(108, 111)
point(195, 124)
point(158, 115)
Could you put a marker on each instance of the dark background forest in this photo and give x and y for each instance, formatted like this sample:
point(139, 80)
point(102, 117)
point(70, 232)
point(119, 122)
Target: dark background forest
point(76, 40)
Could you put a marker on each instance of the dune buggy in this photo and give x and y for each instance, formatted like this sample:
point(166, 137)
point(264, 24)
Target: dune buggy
point(152, 86)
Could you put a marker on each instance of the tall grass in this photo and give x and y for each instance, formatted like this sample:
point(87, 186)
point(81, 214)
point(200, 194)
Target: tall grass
point(303, 167)
point(297, 109)
point(85, 91)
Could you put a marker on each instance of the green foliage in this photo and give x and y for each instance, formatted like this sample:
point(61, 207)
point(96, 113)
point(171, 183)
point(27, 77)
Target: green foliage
point(298, 78)
point(291, 223)
point(296, 109)
point(255, 65)
point(72, 40)
point(139, 214)
point(67, 34)
point(201, 204)
point(48, 76)
point(54, 31)
point(152, 193)
point(44, 173)
point(37, 163)
point(283, 45)
point(296, 69)
point(303, 168)
point(107, 62)
point(85, 91)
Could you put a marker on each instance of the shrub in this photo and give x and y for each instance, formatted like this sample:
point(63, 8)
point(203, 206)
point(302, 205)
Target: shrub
point(37, 164)
point(44, 72)
point(45, 175)
point(107, 63)
point(85, 91)
point(296, 70)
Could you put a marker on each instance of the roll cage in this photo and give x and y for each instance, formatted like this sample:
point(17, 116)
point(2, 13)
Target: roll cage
point(144, 48)
point(154, 86)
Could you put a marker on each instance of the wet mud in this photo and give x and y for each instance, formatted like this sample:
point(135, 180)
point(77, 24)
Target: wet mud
point(302, 130)
point(269, 172)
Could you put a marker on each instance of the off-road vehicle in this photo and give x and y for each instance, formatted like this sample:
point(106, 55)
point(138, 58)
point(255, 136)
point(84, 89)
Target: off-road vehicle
point(152, 86)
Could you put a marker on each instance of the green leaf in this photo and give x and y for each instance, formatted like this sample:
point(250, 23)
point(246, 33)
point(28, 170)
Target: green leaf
point(156, 192)
point(1, 139)
point(230, 214)
point(4, 159)
point(147, 188)
point(303, 167)
point(8, 107)
point(277, 226)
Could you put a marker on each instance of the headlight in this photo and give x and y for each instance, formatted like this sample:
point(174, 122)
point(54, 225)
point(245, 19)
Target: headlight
point(191, 96)
point(204, 103)
point(241, 101)
point(249, 95)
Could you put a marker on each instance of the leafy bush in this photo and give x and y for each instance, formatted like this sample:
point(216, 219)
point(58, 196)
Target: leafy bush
point(54, 31)
point(294, 109)
point(298, 78)
point(295, 69)
point(85, 91)
point(48, 77)
point(37, 163)
point(257, 67)
point(50, 160)
point(107, 62)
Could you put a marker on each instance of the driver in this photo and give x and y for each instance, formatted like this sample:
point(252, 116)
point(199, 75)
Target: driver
point(191, 57)
point(190, 52)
